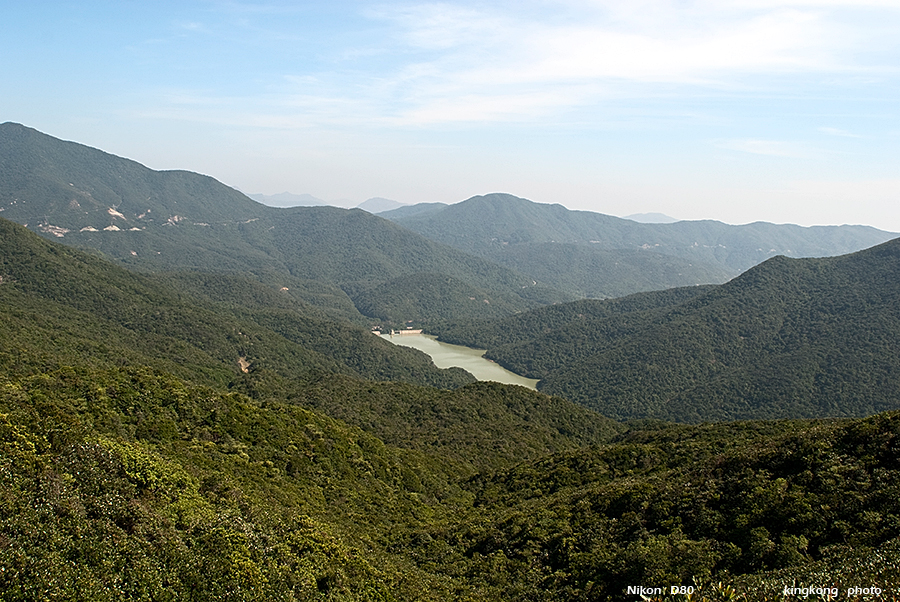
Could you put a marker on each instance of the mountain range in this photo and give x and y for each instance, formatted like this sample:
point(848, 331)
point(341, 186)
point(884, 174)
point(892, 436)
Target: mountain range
point(379, 204)
point(149, 220)
point(287, 199)
point(515, 253)
point(319, 267)
point(651, 218)
point(589, 254)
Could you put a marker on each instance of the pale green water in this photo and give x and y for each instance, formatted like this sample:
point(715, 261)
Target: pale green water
point(445, 355)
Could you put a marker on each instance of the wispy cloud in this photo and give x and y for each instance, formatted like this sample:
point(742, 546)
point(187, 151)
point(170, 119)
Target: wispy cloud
point(582, 52)
point(773, 148)
point(449, 62)
point(838, 132)
point(190, 26)
point(273, 111)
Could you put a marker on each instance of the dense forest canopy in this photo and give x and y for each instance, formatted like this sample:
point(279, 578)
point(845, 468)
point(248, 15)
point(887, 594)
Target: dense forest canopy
point(789, 338)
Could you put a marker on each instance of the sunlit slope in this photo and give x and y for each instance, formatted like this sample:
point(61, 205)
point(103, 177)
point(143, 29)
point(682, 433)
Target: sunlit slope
point(482, 426)
point(163, 488)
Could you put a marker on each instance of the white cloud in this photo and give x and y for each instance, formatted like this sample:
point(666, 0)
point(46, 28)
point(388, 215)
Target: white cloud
point(190, 26)
point(838, 132)
point(773, 148)
point(508, 107)
point(440, 26)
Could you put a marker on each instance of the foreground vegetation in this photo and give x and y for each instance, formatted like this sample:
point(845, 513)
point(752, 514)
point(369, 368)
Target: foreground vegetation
point(128, 483)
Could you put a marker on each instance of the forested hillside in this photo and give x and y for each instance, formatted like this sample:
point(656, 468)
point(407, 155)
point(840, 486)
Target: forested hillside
point(173, 220)
point(579, 317)
point(128, 483)
point(595, 255)
point(773, 503)
point(789, 338)
point(63, 303)
point(585, 271)
point(481, 427)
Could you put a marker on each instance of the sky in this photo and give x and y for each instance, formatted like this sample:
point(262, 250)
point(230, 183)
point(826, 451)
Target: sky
point(740, 111)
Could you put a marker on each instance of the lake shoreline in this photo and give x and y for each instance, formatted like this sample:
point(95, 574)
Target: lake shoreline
point(445, 355)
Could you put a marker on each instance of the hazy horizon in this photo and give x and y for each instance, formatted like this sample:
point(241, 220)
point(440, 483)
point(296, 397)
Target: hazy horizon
point(650, 217)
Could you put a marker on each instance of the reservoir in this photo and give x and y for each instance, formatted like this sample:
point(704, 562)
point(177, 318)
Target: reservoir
point(445, 355)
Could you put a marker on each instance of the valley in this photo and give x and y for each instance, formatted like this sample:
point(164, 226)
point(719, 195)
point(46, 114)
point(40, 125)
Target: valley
point(193, 404)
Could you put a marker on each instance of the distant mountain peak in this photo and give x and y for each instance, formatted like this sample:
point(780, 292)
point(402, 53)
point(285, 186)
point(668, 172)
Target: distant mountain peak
point(287, 199)
point(651, 218)
point(378, 204)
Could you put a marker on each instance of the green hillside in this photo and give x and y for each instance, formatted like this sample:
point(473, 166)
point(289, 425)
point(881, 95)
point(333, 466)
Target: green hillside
point(58, 302)
point(585, 271)
point(418, 297)
point(128, 483)
point(760, 505)
point(408, 210)
point(480, 427)
point(169, 487)
point(587, 253)
point(556, 321)
point(789, 338)
point(175, 220)
point(61, 307)
point(50, 183)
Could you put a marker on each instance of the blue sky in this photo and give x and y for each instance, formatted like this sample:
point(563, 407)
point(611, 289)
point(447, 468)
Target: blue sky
point(737, 111)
